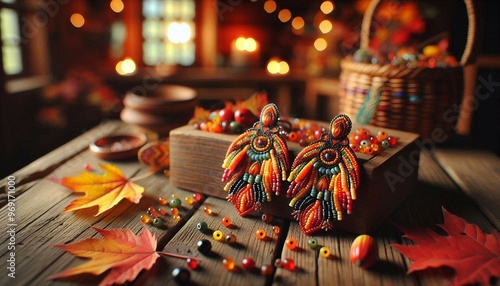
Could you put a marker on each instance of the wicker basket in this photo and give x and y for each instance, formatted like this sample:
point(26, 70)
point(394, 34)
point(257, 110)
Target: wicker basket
point(421, 100)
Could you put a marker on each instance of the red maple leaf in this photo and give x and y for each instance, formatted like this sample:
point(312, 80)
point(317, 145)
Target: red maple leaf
point(473, 254)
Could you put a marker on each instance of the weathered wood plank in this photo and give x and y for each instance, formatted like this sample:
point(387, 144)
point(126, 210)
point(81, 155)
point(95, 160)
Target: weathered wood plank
point(478, 175)
point(211, 271)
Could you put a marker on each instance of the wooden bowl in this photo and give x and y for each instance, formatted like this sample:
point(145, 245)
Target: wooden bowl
point(162, 109)
point(163, 99)
point(118, 147)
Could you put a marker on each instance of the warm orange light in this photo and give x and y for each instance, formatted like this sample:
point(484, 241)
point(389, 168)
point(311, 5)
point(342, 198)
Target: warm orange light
point(325, 26)
point(298, 23)
point(77, 20)
point(270, 6)
point(278, 67)
point(244, 44)
point(327, 7)
point(284, 15)
point(116, 5)
point(320, 44)
point(125, 67)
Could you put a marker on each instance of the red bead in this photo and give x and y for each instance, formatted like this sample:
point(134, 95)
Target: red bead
point(248, 263)
point(197, 197)
point(266, 270)
point(373, 140)
point(192, 263)
point(162, 210)
point(289, 264)
point(392, 140)
point(267, 218)
point(88, 167)
point(226, 221)
point(291, 243)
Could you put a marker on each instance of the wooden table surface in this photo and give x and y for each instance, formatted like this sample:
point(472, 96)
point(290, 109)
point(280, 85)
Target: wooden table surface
point(464, 182)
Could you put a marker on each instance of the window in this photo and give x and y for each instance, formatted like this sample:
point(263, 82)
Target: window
point(168, 31)
point(11, 41)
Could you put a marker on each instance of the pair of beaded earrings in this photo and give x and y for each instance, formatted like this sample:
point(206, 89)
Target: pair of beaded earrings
point(323, 177)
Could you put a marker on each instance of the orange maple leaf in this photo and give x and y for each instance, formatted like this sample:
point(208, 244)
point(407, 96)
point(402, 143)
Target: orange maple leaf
point(121, 251)
point(473, 254)
point(104, 191)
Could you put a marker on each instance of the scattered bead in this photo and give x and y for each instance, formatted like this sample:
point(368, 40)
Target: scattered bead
point(162, 210)
point(189, 200)
point(152, 212)
point(266, 270)
point(226, 221)
point(175, 203)
point(289, 264)
point(202, 226)
point(158, 222)
point(182, 276)
point(218, 235)
point(228, 263)
point(197, 197)
point(177, 218)
point(162, 201)
point(174, 196)
point(145, 219)
point(87, 167)
point(174, 211)
point(208, 210)
point(267, 218)
point(204, 246)
point(312, 243)
point(324, 252)
point(278, 263)
point(291, 243)
point(192, 263)
point(230, 238)
point(261, 234)
point(248, 263)
point(276, 230)
point(392, 140)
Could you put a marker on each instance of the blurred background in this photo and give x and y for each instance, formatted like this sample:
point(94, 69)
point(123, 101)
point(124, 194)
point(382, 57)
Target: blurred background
point(66, 65)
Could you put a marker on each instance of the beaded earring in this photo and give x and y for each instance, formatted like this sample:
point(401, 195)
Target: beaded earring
point(323, 178)
point(256, 162)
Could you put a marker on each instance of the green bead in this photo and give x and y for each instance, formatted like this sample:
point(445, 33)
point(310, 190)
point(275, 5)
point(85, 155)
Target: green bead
point(312, 243)
point(202, 226)
point(158, 222)
point(175, 203)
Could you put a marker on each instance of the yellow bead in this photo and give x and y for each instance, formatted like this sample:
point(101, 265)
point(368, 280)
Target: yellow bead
point(218, 235)
point(325, 252)
point(177, 218)
point(189, 200)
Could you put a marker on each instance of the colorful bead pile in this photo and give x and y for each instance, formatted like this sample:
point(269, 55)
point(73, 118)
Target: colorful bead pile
point(156, 215)
point(364, 142)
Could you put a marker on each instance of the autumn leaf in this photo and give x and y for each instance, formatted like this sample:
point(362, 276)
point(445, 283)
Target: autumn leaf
point(121, 251)
point(255, 103)
point(104, 191)
point(473, 254)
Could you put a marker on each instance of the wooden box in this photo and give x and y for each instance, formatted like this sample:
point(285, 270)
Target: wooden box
point(387, 178)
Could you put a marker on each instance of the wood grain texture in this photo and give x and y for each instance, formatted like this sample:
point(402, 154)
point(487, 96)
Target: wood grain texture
point(478, 175)
point(40, 224)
